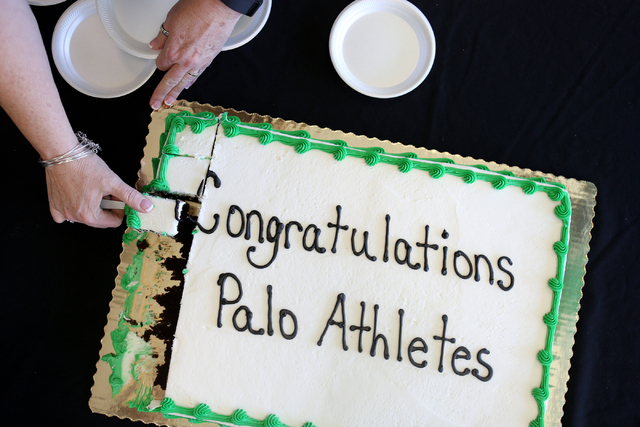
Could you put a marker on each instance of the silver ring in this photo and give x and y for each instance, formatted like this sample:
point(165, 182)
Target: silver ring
point(163, 31)
point(68, 220)
point(193, 74)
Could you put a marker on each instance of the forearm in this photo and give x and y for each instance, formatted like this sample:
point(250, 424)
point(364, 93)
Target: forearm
point(29, 95)
point(27, 89)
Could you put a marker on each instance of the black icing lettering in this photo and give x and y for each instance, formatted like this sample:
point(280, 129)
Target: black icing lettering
point(269, 310)
point(338, 227)
point(426, 247)
point(400, 314)
point(387, 220)
point(444, 260)
point(365, 245)
point(457, 355)
point(216, 217)
point(360, 328)
point(271, 238)
point(223, 301)
point(247, 326)
point(489, 369)
point(286, 232)
point(216, 182)
point(444, 339)
point(315, 245)
point(456, 256)
point(200, 190)
point(500, 282)
point(407, 254)
point(445, 235)
point(413, 346)
point(284, 313)
point(232, 210)
point(331, 322)
point(247, 234)
point(376, 337)
point(477, 268)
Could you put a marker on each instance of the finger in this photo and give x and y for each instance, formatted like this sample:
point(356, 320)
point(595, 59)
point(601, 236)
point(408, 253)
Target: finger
point(191, 78)
point(107, 218)
point(57, 215)
point(168, 56)
point(158, 42)
point(173, 80)
point(161, 38)
point(131, 197)
point(185, 83)
point(90, 214)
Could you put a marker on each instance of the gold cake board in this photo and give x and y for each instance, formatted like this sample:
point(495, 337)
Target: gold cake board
point(582, 195)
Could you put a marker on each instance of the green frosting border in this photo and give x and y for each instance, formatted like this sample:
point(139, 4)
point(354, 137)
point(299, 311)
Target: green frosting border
point(203, 414)
point(302, 142)
point(132, 220)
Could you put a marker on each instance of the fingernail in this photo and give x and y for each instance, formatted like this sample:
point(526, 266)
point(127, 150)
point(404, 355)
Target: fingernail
point(146, 205)
point(169, 100)
point(155, 105)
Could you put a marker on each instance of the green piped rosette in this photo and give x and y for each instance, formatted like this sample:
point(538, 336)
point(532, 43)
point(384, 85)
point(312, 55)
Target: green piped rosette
point(302, 142)
point(132, 220)
point(202, 414)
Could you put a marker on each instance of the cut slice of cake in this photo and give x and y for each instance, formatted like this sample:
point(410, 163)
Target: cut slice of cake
point(162, 219)
point(184, 156)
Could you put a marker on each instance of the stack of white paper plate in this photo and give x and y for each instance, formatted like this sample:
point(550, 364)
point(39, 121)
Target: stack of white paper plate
point(89, 60)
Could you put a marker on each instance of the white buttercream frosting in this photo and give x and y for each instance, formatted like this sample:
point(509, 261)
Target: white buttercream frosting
point(185, 174)
point(196, 145)
point(162, 218)
point(300, 380)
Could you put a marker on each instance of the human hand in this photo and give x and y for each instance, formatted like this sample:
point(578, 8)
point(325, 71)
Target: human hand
point(76, 188)
point(198, 29)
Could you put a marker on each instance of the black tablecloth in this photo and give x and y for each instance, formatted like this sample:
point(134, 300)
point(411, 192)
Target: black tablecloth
point(546, 85)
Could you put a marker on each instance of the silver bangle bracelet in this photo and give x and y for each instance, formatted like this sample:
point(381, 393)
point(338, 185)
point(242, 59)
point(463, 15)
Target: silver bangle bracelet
point(84, 148)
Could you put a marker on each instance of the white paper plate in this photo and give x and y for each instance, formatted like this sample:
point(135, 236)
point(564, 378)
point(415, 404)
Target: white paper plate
point(44, 2)
point(133, 24)
point(382, 48)
point(89, 60)
point(248, 27)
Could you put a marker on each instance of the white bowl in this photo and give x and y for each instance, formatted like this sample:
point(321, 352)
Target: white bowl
point(382, 48)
